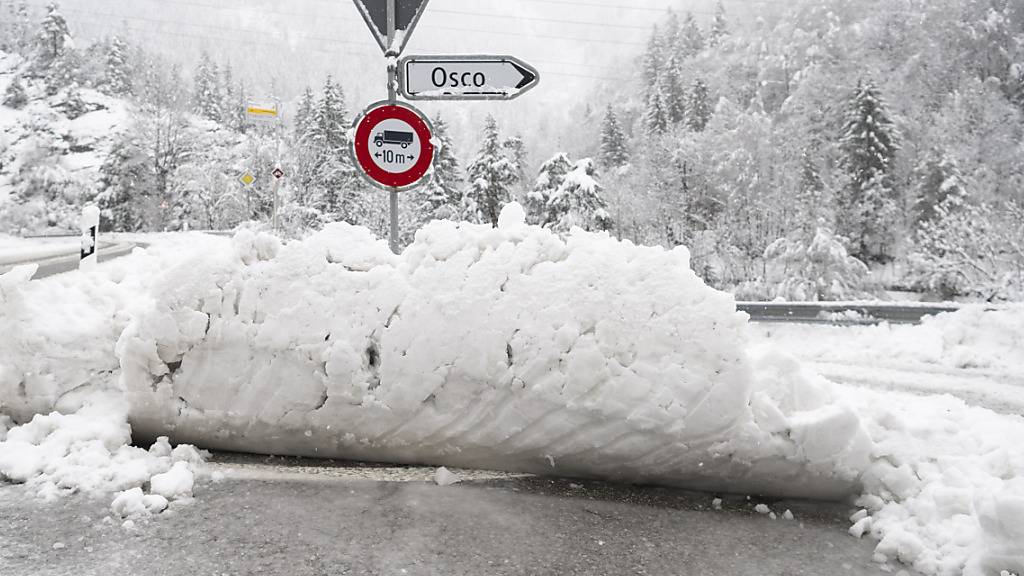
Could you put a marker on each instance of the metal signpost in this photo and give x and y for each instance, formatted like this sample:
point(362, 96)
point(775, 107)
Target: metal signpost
point(453, 77)
point(393, 143)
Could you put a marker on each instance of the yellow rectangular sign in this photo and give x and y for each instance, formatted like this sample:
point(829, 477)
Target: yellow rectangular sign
point(261, 112)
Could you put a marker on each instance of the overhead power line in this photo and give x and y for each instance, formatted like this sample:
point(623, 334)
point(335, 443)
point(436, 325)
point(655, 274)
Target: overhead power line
point(230, 41)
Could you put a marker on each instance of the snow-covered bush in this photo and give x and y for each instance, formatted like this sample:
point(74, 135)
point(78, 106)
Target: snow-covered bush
point(15, 96)
point(972, 250)
point(818, 270)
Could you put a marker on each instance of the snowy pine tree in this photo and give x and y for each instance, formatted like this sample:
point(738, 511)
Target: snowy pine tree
point(53, 36)
point(118, 73)
point(549, 180)
point(329, 183)
point(653, 59)
point(673, 93)
point(304, 113)
point(869, 146)
point(440, 198)
point(691, 39)
point(719, 26)
point(491, 177)
point(938, 177)
point(656, 116)
point(206, 98)
point(577, 201)
point(698, 109)
point(613, 142)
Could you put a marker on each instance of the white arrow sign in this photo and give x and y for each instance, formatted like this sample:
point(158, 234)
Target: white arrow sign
point(461, 77)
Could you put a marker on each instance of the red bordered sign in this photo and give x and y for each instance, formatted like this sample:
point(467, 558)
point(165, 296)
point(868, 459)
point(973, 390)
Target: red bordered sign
point(392, 145)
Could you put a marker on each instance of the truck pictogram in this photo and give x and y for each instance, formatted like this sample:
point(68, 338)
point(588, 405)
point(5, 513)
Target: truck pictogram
point(403, 139)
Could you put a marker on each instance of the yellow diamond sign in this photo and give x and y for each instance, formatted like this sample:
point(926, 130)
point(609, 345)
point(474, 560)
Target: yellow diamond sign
point(247, 179)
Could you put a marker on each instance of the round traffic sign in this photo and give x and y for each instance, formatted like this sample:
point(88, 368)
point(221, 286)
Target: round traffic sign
point(392, 145)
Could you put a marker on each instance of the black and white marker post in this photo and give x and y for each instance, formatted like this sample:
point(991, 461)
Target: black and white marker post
point(90, 231)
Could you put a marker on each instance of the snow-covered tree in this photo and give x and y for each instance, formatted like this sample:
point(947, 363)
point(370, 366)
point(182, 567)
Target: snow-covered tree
point(304, 113)
point(206, 97)
point(869, 145)
point(959, 251)
point(492, 174)
point(125, 183)
point(14, 27)
point(63, 71)
point(938, 177)
point(816, 270)
point(672, 92)
point(440, 198)
point(698, 109)
point(118, 79)
point(656, 115)
point(549, 181)
point(810, 198)
point(653, 58)
point(53, 36)
point(691, 39)
point(15, 95)
point(613, 142)
point(328, 182)
point(719, 25)
point(578, 201)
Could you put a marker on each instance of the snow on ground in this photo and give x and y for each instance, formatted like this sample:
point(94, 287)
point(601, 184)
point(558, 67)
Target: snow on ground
point(508, 348)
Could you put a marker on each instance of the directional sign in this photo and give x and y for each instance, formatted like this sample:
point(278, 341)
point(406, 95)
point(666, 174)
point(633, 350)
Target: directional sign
point(464, 77)
point(278, 173)
point(392, 145)
point(247, 179)
point(261, 113)
point(407, 15)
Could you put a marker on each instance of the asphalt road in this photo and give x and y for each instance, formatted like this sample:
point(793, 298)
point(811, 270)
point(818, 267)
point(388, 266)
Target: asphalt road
point(301, 518)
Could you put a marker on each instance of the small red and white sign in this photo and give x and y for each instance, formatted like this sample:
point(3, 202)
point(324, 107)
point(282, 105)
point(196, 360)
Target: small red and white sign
point(392, 145)
point(278, 173)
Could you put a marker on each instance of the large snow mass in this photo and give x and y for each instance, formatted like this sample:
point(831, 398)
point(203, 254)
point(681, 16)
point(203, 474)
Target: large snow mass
point(505, 348)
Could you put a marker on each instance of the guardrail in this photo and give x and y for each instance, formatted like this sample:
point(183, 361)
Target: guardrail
point(842, 313)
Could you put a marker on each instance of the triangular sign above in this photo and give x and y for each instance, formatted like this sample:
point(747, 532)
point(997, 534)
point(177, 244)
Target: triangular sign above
point(407, 14)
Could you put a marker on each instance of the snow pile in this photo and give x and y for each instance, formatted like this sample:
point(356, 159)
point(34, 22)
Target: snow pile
point(58, 335)
point(973, 337)
point(946, 486)
point(89, 451)
point(503, 348)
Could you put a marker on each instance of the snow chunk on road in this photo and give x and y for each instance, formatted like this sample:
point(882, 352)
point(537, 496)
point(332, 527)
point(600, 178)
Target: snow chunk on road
point(88, 451)
point(174, 484)
point(445, 477)
point(133, 502)
point(502, 348)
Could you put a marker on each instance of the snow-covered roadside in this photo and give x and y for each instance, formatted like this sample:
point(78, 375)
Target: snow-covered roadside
point(509, 348)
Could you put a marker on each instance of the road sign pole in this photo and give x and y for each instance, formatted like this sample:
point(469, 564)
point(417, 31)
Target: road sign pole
point(392, 59)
